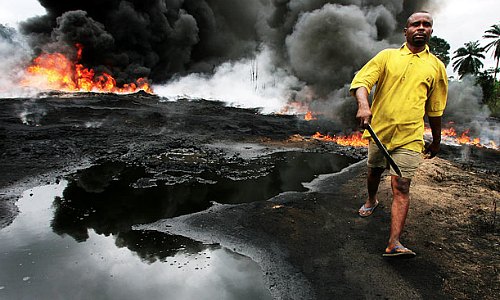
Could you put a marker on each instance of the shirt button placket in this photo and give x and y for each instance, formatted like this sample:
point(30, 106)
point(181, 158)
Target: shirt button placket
point(408, 67)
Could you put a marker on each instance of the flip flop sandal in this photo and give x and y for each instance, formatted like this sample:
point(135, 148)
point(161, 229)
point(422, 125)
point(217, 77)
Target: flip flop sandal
point(400, 252)
point(366, 212)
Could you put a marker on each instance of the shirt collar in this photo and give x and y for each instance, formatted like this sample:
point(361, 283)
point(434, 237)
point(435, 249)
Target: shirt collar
point(406, 51)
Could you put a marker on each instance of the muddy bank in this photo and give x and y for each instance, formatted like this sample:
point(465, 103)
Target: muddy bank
point(317, 237)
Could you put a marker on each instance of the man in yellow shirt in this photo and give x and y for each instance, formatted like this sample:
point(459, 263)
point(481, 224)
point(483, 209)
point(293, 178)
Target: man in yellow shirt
point(410, 83)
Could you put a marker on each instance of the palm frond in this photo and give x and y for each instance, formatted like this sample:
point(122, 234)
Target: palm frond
point(493, 33)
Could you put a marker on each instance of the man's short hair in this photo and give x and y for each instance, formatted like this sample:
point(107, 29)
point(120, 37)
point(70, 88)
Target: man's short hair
point(418, 12)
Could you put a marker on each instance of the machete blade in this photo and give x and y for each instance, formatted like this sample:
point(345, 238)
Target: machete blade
point(384, 151)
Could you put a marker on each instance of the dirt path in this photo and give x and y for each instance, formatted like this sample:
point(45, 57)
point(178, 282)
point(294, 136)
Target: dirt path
point(319, 243)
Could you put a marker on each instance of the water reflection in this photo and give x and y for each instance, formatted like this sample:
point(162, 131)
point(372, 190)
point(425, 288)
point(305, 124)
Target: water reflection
point(39, 264)
point(103, 198)
point(111, 197)
point(74, 239)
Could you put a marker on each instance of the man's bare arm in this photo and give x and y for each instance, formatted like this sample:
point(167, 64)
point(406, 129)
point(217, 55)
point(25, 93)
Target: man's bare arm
point(433, 148)
point(364, 114)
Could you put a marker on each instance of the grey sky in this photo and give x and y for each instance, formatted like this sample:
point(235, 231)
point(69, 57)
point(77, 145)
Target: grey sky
point(462, 21)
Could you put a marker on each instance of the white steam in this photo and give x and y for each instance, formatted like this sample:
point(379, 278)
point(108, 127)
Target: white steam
point(30, 113)
point(248, 83)
point(14, 54)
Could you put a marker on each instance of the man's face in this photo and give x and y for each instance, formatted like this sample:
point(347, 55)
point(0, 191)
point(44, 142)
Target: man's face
point(418, 29)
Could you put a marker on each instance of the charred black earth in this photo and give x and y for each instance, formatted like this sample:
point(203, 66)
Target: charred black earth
point(62, 133)
point(126, 160)
point(149, 171)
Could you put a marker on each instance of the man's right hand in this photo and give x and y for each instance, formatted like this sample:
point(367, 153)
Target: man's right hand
point(364, 114)
point(364, 117)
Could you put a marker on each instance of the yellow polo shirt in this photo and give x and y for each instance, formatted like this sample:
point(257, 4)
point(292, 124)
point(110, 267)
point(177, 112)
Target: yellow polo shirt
point(408, 86)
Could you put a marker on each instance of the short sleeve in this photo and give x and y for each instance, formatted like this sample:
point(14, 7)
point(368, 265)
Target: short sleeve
point(368, 75)
point(438, 96)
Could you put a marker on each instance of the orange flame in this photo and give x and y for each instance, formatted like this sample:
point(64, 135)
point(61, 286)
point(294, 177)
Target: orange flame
point(309, 116)
point(55, 71)
point(450, 135)
point(466, 139)
point(354, 139)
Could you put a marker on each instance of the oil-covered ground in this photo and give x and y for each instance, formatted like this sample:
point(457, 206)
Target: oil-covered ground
point(227, 203)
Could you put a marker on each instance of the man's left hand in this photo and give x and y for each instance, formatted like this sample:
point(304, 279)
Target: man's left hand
point(432, 149)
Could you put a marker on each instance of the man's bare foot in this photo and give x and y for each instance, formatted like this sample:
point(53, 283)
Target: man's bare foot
point(398, 250)
point(367, 208)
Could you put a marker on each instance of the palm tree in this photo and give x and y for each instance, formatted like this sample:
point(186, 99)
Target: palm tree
point(467, 59)
point(493, 33)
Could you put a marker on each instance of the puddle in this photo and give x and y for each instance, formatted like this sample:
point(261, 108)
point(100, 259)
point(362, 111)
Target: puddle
point(37, 263)
point(74, 239)
point(112, 197)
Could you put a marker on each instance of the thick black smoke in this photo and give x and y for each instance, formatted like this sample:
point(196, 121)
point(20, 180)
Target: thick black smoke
point(320, 42)
point(154, 38)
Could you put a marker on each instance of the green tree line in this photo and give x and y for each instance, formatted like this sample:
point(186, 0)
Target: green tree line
point(467, 60)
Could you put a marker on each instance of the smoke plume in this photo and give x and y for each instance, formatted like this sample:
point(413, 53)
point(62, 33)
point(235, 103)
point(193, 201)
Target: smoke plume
point(13, 54)
point(319, 42)
point(156, 39)
point(466, 110)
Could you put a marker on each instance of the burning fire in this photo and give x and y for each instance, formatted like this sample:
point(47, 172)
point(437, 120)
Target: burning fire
point(309, 116)
point(450, 135)
point(354, 139)
point(55, 71)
